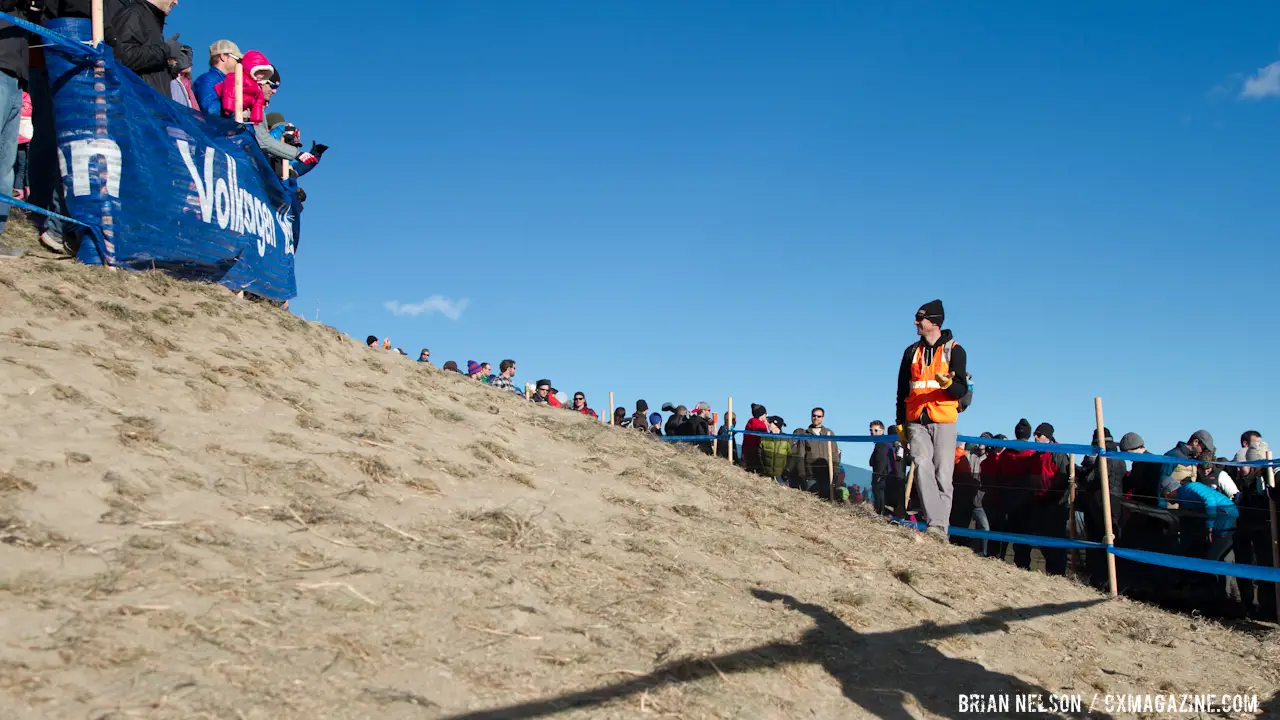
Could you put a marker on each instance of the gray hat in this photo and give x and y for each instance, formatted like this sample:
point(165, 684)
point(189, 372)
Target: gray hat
point(1205, 439)
point(1257, 450)
point(1168, 484)
point(1131, 441)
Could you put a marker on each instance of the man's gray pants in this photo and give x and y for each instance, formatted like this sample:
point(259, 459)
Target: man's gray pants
point(933, 448)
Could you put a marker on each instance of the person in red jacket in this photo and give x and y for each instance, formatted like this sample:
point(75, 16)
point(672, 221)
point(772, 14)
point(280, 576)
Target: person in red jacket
point(751, 443)
point(993, 491)
point(580, 405)
point(1016, 467)
point(1044, 514)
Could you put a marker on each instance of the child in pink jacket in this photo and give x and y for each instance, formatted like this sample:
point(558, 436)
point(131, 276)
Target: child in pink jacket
point(256, 69)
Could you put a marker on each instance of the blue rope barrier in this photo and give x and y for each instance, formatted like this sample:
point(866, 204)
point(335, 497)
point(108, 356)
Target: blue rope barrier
point(74, 46)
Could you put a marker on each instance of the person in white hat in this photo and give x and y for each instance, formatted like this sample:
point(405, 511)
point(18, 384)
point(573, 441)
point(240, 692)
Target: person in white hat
point(223, 56)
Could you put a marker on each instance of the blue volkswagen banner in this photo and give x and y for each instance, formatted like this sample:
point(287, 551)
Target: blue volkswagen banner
point(171, 188)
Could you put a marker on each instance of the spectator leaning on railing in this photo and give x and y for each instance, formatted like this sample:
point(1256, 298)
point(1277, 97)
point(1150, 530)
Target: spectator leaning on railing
point(180, 88)
point(13, 80)
point(223, 56)
point(137, 37)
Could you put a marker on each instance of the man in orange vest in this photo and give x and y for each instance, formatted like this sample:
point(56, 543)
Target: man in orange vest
point(928, 406)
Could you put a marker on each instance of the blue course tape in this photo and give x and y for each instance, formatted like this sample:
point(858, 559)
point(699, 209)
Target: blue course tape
point(1212, 567)
point(1177, 562)
point(74, 46)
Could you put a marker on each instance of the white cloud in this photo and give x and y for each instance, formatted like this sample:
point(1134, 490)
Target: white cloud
point(1264, 83)
point(436, 303)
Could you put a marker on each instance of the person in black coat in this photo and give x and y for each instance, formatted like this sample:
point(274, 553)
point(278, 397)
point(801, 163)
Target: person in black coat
point(137, 37)
point(882, 468)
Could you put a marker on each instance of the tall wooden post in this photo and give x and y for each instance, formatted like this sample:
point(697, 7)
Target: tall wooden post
point(239, 91)
point(831, 473)
point(728, 415)
point(98, 32)
point(906, 496)
point(611, 409)
point(1109, 538)
point(1275, 532)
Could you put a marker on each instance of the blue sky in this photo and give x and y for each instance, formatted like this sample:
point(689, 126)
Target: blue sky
point(691, 200)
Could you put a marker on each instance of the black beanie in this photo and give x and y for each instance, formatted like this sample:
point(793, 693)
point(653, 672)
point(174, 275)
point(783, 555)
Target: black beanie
point(1023, 430)
point(641, 406)
point(933, 311)
point(758, 411)
point(1046, 430)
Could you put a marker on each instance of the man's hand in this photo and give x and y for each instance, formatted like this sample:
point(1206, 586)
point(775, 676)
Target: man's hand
point(944, 380)
point(174, 46)
point(307, 158)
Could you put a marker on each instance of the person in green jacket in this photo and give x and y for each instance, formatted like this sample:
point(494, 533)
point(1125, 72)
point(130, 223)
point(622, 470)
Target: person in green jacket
point(774, 453)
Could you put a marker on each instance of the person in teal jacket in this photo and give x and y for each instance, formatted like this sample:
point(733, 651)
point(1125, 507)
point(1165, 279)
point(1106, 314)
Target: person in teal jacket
point(1219, 511)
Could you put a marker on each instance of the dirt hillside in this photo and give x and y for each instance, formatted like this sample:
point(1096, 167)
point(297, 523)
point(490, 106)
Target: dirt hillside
point(213, 509)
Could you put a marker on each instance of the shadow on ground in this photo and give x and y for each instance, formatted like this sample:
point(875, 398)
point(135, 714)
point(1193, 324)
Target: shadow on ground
point(876, 671)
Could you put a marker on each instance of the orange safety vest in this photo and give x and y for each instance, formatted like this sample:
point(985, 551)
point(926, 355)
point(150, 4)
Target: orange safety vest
point(926, 393)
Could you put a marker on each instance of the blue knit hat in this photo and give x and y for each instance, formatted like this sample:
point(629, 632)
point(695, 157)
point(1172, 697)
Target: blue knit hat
point(655, 419)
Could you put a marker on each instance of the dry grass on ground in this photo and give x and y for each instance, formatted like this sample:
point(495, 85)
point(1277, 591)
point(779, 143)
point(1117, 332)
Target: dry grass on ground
point(214, 509)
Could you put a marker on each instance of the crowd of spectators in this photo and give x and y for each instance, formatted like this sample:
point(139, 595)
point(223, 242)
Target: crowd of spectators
point(1197, 510)
point(135, 31)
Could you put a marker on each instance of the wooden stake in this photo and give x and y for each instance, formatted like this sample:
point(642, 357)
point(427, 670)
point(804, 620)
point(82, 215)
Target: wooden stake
point(906, 497)
point(1109, 538)
point(1071, 510)
point(715, 441)
point(1275, 532)
point(728, 414)
point(831, 473)
point(98, 33)
point(239, 92)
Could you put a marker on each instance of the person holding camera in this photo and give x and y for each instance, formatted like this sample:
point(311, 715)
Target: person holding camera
point(289, 134)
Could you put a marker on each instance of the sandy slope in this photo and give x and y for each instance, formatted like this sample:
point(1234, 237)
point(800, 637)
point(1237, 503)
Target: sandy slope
point(214, 509)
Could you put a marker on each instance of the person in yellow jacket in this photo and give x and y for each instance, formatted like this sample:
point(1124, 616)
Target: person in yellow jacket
point(931, 383)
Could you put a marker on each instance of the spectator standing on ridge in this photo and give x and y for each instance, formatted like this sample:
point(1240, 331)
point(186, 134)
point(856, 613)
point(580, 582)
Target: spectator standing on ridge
point(13, 80)
point(1197, 445)
point(486, 373)
point(993, 488)
point(655, 424)
point(580, 405)
point(965, 485)
point(725, 436)
point(620, 418)
point(882, 468)
point(473, 370)
point(1142, 484)
point(1198, 537)
point(424, 356)
point(812, 457)
point(751, 443)
point(1246, 438)
point(541, 392)
point(1045, 514)
point(1253, 532)
point(699, 425)
point(675, 423)
point(1089, 502)
point(1015, 473)
point(639, 421)
point(775, 453)
point(180, 88)
point(502, 381)
point(223, 56)
point(137, 37)
point(928, 406)
point(450, 366)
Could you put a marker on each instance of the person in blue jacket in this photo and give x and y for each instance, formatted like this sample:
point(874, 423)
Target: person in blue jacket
point(223, 56)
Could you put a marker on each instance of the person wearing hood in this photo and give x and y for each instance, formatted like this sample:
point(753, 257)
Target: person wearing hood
point(751, 443)
point(620, 418)
point(1198, 537)
point(180, 89)
point(257, 70)
point(639, 420)
point(137, 38)
point(725, 436)
point(1199, 443)
point(775, 452)
point(931, 383)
